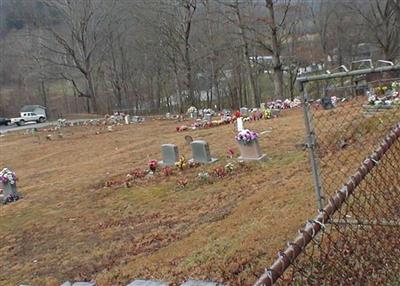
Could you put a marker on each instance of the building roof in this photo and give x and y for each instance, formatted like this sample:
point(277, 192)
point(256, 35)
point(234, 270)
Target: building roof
point(31, 108)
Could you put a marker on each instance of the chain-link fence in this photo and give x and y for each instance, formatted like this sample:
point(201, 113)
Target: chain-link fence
point(355, 239)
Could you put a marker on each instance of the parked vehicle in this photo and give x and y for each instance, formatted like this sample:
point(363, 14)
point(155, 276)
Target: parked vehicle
point(28, 117)
point(5, 121)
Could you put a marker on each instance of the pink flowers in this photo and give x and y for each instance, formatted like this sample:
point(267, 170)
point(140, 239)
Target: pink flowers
point(153, 164)
point(246, 136)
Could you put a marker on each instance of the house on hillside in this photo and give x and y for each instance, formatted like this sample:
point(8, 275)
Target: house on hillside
point(37, 109)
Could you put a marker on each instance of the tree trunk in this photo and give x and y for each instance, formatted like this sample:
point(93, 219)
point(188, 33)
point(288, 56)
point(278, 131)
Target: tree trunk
point(276, 60)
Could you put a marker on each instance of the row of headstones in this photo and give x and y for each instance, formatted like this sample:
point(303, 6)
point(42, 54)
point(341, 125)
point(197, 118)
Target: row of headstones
point(148, 283)
point(201, 153)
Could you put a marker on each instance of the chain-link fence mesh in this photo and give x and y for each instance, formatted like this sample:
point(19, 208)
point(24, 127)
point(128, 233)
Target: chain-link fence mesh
point(355, 239)
point(352, 128)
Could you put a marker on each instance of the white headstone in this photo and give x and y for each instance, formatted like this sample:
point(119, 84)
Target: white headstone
point(127, 119)
point(239, 123)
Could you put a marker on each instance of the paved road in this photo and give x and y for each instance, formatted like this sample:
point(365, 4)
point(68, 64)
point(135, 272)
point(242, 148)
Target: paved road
point(29, 125)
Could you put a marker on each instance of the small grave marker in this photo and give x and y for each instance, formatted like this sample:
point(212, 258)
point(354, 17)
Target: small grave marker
point(146, 283)
point(170, 154)
point(188, 139)
point(207, 117)
point(244, 111)
point(201, 152)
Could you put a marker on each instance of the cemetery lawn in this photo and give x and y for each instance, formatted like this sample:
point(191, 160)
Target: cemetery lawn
point(68, 227)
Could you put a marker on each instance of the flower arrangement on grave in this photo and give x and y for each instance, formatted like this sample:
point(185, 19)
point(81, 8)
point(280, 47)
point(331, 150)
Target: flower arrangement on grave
point(229, 168)
point(395, 85)
point(182, 163)
point(193, 164)
point(381, 89)
point(182, 182)
point(219, 172)
point(153, 164)
point(231, 153)
point(191, 109)
point(138, 173)
point(246, 137)
point(167, 171)
point(8, 177)
point(237, 114)
point(203, 176)
point(11, 198)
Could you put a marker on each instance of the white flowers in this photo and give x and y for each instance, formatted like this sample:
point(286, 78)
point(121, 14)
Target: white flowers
point(8, 177)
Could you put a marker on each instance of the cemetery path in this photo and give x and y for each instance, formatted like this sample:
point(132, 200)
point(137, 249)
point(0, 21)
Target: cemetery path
point(68, 228)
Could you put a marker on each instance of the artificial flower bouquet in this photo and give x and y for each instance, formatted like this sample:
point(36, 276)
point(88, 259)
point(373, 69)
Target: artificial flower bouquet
point(246, 137)
point(8, 177)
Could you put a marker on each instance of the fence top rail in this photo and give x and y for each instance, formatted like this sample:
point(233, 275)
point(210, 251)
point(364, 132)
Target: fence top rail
point(304, 79)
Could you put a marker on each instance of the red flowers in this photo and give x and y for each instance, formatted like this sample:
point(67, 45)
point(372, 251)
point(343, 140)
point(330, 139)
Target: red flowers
point(153, 164)
point(219, 172)
point(167, 171)
point(138, 173)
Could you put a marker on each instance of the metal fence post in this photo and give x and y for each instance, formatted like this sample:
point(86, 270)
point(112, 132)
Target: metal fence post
point(311, 146)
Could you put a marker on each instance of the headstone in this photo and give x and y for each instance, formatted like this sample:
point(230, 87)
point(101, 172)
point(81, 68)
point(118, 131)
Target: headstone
point(84, 284)
point(251, 152)
point(147, 283)
point(9, 192)
point(188, 139)
point(239, 124)
point(137, 119)
point(275, 112)
point(200, 283)
point(244, 111)
point(207, 117)
point(262, 106)
point(168, 115)
point(201, 152)
point(326, 102)
point(170, 154)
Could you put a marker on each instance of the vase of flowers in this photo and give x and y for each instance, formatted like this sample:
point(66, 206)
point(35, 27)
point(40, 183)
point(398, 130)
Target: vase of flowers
point(249, 146)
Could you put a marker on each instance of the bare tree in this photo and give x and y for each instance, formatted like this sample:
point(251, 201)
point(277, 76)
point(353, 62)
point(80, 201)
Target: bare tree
point(382, 18)
point(79, 45)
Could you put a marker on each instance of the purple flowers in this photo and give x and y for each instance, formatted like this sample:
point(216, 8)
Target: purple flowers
point(246, 136)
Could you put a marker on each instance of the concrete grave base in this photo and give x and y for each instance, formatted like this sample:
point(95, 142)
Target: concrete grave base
point(213, 160)
point(146, 283)
point(263, 157)
point(200, 283)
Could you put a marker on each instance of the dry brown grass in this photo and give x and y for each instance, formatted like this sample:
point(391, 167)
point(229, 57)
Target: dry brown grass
point(67, 229)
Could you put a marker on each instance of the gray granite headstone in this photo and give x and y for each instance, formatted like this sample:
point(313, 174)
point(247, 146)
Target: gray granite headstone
point(9, 190)
point(84, 284)
point(200, 283)
point(147, 283)
point(207, 117)
point(244, 111)
point(201, 152)
point(170, 154)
